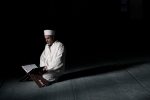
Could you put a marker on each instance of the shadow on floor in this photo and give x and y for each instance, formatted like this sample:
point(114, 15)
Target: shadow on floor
point(98, 70)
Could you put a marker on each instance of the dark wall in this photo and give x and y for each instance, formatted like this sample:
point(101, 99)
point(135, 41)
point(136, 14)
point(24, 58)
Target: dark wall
point(91, 31)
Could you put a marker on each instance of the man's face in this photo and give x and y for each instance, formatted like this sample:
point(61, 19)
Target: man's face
point(49, 39)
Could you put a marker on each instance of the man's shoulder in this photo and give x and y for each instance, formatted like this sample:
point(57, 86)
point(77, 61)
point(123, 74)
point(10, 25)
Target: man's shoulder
point(59, 43)
point(46, 45)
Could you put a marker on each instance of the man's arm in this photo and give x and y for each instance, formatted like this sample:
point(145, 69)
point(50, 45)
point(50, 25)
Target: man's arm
point(58, 60)
point(42, 59)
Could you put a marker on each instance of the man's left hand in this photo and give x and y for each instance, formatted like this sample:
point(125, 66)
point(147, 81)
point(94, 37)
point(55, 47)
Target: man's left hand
point(45, 68)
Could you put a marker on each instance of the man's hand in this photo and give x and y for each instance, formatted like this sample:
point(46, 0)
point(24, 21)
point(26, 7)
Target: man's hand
point(45, 68)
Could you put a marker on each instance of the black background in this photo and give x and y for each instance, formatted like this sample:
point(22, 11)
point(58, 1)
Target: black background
point(92, 31)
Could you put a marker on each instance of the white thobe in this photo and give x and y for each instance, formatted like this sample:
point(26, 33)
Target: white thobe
point(53, 58)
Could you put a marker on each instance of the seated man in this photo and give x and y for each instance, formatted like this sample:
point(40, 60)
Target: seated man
point(52, 58)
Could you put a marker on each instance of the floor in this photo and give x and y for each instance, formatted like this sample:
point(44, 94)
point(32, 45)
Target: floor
point(128, 83)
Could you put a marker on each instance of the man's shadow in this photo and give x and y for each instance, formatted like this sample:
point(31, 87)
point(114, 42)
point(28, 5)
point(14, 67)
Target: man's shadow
point(97, 70)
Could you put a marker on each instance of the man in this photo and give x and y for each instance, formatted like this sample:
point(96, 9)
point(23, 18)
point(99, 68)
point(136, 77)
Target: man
point(52, 58)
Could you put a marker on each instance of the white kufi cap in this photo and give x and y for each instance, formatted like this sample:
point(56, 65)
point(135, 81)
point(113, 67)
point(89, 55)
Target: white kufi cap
point(49, 32)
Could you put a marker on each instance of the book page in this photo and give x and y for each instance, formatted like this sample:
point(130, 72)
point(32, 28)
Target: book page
point(29, 67)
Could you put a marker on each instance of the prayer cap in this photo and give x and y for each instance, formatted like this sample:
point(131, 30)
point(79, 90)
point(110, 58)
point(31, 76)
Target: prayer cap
point(49, 32)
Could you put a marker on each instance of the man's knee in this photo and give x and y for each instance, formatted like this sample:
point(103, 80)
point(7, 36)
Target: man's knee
point(48, 77)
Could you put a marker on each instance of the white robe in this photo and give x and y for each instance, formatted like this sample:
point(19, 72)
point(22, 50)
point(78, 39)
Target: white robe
point(53, 56)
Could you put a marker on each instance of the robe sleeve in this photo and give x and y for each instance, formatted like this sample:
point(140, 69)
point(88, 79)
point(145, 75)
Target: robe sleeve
point(42, 59)
point(58, 60)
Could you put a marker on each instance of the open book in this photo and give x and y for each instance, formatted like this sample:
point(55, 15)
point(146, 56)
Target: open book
point(28, 68)
point(35, 75)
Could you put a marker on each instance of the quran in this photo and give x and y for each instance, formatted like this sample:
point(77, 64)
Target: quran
point(35, 73)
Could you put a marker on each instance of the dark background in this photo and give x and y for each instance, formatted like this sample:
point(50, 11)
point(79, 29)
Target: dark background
point(92, 31)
